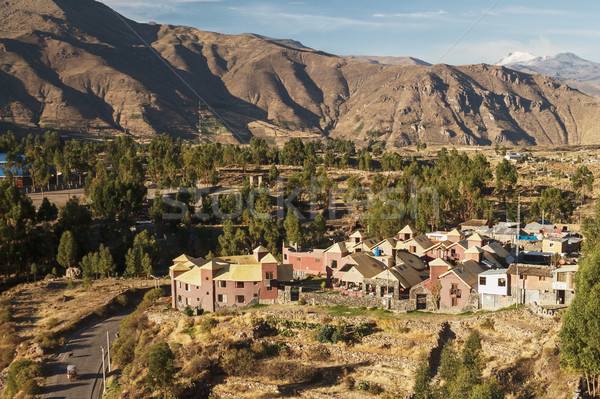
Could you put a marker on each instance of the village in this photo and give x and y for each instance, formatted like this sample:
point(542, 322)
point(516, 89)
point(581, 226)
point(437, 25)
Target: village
point(477, 266)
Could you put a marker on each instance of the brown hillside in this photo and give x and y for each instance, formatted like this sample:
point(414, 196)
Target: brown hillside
point(75, 66)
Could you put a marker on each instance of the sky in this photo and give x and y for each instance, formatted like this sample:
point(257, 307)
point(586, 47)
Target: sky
point(448, 31)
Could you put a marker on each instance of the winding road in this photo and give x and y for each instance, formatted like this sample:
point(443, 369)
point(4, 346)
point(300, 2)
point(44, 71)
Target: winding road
point(82, 350)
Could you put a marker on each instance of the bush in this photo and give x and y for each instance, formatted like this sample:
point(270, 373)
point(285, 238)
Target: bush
point(50, 341)
point(21, 378)
point(197, 367)
point(207, 324)
point(71, 285)
point(7, 355)
point(363, 385)
point(301, 301)
point(375, 389)
point(154, 294)
point(292, 371)
point(362, 329)
point(318, 353)
point(51, 323)
point(325, 333)
point(239, 362)
point(122, 300)
point(188, 311)
point(488, 324)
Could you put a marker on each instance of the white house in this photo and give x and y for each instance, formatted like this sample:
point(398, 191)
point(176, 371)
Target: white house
point(494, 289)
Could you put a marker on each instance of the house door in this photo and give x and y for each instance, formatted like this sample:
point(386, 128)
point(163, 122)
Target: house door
point(421, 302)
point(560, 297)
point(295, 294)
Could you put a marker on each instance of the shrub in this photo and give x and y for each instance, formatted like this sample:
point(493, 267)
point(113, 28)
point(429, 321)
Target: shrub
point(7, 354)
point(207, 324)
point(239, 362)
point(21, 378)
point(154, 294)
point(325, 333)
point(71, 285)
point(301, 301)
point(318, 353)
point(292, 371)
point(188, 311)
point(51, 323)
point(363, 385)
point(363, 328)
point(50, 341)
point(196, 367)
point(121, 300)
point(488, 324)
point(375, 389)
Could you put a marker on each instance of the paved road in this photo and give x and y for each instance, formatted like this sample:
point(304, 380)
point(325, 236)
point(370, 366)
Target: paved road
point(87, 356)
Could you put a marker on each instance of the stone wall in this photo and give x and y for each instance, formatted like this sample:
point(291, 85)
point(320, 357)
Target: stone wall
point(315, 298)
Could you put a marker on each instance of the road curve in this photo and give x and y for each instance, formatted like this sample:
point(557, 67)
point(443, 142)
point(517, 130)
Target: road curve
point(82, 350)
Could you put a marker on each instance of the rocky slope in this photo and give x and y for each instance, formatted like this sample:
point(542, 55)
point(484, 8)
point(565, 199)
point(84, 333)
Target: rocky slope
point(77, 66)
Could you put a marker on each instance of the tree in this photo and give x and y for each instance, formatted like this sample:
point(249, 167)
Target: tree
point(318, 228)
point(422, 388)
point(293, 229)
point(106, 264)
point(47, 211)
point(161, 371)
point(579, 334)
point(582, 180)
point(142, 255)
point(112, 198)
point(67, 250)
point(232, 241)
point(506, 178)
point(554, 202)
point(293, 152)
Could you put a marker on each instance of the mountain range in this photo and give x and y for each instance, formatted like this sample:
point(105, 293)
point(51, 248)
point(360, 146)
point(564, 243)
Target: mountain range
point(78, 67)
point(567, 68)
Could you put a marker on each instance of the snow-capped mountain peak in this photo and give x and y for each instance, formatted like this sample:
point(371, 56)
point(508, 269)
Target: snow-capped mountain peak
point(516, 58)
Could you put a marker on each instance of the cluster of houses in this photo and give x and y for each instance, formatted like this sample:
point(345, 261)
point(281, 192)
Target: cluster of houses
point(474, 267)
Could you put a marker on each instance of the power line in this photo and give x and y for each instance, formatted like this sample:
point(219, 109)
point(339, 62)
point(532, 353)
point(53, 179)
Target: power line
point(467, 31)
point(179, 77)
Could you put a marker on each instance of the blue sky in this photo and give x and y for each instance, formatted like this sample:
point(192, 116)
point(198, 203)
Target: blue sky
point(452, 32)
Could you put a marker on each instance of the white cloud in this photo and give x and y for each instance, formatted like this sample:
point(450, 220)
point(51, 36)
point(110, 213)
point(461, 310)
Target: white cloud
point(533, 11)
point(415, 15)
point(301, 22)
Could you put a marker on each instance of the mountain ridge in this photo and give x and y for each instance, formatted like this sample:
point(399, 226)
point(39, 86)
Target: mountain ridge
point(83, 70)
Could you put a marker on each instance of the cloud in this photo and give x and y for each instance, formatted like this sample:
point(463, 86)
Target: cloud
point(415, 15)
point(297, 22)
point(533, 11)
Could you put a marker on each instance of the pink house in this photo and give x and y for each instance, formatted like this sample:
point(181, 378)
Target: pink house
point(315, 261)
point(456, 285)
point(230, 281)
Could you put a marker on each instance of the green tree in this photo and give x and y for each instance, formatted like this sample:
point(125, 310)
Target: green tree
point(582, 180)
point(67, 250)
point(293, 229)
point(318, 228)
point(580, 334)
point(161, 371)
point(142, 255)
point(422, 388)
point(506, 178)
point(554, 202)
point(293, 152)
point(47, 211)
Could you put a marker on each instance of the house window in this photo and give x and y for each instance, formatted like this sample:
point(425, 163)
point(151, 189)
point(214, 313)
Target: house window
point(239, 284)
point(206, 278)
point(501, 282)
point(542, 278)
point(441, 253)
point(180, 284)
point(188, 301)
point(255, 283)
point(222, 298)
point(269, 288)
point(334, 264)
point(240, 299)
point(454, 301)
point(412, 249)
point(453, 253)
point(522, 277)
point(317, 260)
point(255, 295)
point(284, 256)
point(298, 259)
point(551, 244)
point(481, 280)
point(269, 275)
point(561, 277)
point(223, 284)
point(187, 287)
point(207, 293)
point(197, 299)
point(178, 298)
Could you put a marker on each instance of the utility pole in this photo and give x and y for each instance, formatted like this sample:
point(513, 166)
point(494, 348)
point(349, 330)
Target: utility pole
point(103, 372)
point(108, 346)
point(517, 291)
